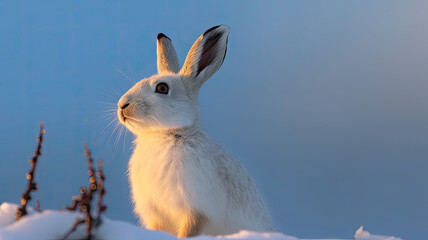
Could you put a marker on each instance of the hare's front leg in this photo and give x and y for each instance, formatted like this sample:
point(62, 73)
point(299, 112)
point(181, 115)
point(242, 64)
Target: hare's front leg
point(191, 224)
point(153, 224)
point(152, 219)
point(156, 220)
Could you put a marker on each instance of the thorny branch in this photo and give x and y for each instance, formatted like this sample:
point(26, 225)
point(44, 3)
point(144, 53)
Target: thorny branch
point(31, 184)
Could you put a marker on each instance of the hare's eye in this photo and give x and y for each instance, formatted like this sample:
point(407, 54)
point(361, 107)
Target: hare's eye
point(162, 88)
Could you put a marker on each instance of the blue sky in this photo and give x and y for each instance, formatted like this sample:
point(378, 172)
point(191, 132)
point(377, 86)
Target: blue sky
point(325, 102)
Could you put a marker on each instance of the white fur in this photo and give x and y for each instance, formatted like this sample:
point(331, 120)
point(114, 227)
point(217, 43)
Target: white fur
point(182, 182)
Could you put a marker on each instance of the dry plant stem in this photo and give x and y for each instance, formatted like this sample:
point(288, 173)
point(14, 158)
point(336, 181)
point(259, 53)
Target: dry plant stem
point(77, 200)
point(86, 205)
point(101, 190)
point(73, 228)
point(31, 184)
point(91, 171)
point(86, 208)
point(85, 199)
point(38, 206)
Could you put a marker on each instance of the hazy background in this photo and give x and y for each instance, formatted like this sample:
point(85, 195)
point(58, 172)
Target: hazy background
point(325, 102)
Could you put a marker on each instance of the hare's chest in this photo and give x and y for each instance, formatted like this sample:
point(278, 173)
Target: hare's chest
point(158, 175)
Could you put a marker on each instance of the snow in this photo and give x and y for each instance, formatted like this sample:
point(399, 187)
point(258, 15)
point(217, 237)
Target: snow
point(7, 213)
point(52, 224)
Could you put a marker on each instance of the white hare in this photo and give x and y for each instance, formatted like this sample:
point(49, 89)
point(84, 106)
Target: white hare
point(182, 182)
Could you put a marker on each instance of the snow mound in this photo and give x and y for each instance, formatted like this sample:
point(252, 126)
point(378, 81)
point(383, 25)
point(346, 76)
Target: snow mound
point(7, 213)
point(52, 224)
point(360, 234)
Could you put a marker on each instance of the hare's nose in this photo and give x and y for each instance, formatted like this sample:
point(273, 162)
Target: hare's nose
point(124, 105)
point(123, 102)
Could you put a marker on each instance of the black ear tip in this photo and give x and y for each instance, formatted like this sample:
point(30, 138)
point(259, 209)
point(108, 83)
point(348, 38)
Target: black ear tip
point(161, 35)
point(213, 28)
point(225, 28)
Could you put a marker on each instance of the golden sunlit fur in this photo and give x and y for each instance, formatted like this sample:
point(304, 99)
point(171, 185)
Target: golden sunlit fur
point(182, 182)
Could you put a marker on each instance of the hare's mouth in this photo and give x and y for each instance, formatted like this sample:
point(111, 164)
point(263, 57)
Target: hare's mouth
point(126, 119)
point(121, 116)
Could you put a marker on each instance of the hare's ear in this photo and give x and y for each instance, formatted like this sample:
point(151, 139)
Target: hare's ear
point(167, 58)
point(205, 57)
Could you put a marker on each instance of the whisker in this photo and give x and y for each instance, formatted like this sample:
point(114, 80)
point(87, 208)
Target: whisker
point(112, 88)
point(106, 127)
point(118, 136)
point(115, 128)
point(109, 113)
point(133, 77)
point(117, 69)
point(124, 138)
point(109, 110)
point(107, 94)
point(108, 103)
point(106, 117)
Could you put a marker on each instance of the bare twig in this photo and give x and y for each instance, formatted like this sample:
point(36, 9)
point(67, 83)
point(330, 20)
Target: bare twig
point(38, 206)
point(91, 171)
point(85, 199)
point(31, 184)
point(86, 204)
point(101, 192)
point(77, 200)
point(74, 227)
point(81, 202)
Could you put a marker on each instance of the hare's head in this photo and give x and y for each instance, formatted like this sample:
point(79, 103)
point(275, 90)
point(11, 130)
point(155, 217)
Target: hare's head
point(168, 99)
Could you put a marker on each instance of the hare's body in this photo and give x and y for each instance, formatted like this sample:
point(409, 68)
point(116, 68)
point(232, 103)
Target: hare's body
point(183, 182)
point(200, 181)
